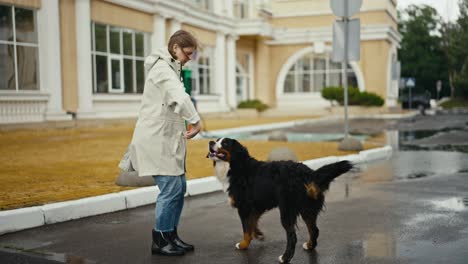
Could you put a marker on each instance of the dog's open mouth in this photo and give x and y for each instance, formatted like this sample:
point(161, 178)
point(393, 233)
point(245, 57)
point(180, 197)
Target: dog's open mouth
point(218, 154)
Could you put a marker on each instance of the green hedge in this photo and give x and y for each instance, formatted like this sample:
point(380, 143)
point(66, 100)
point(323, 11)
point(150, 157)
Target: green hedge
point(355, 97)
point(256, 104)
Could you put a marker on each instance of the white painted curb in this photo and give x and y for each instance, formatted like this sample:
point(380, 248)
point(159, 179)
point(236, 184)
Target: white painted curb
point(140, 196)
point(317, 163)
point(203, 185)
point(19, 219)
point(64, 211)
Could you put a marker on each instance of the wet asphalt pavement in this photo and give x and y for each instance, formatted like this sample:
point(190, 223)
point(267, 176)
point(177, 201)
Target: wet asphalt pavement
point(410, 209)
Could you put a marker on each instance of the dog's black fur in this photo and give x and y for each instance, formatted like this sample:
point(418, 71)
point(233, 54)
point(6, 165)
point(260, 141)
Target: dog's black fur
point(257, 186)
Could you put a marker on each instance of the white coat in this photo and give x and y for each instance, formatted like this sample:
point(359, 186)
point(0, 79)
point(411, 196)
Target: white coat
point(158, 145)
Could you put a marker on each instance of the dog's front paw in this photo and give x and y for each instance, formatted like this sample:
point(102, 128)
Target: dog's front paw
point(242, 245)
point(281, 259)
point(308, 246)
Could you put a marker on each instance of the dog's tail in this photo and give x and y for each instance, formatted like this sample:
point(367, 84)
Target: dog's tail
point(323, 176)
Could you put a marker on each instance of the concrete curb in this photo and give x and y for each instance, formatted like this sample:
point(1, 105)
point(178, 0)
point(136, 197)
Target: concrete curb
point(24, 218)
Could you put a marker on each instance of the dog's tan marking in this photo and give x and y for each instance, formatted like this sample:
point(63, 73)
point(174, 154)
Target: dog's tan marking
point(244, 244)
point(227, 153)
point(313, 190)
point(231, 201)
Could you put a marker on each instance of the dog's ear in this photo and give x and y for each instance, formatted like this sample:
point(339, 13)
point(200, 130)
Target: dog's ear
point(239, 153)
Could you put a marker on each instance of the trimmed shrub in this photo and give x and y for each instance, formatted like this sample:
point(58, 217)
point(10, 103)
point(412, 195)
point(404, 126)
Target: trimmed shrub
point(256, 104)
point(355, 97)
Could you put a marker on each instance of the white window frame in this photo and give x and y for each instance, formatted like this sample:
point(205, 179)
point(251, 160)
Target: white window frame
point(203, 4)
point(240, 9)
point(111, 89)
point(112, 56)
point(299, 71)
point(207, 88)
point(22, 44)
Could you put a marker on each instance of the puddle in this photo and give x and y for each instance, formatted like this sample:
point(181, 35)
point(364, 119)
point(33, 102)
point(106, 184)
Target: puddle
point(417, 175)
point(32, 255)
point(418, 134)
point(452, 204)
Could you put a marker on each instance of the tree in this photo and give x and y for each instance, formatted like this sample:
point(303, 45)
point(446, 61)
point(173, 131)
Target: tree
point(454, 41)
point(421, 53)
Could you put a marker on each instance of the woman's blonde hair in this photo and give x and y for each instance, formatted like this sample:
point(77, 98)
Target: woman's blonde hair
point(183, 39)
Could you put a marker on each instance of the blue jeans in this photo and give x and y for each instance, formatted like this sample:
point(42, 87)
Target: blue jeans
point(170, 201)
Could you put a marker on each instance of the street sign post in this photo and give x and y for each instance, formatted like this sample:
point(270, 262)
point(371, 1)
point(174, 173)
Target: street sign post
point(346, 46)
point(439, 88)
point(410, 83)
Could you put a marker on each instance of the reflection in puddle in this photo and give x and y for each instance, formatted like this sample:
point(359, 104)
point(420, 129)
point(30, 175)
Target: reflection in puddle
point(413, 165)
point(32, 255)
point(380, 245)
point(452, 204)
point(69, 259)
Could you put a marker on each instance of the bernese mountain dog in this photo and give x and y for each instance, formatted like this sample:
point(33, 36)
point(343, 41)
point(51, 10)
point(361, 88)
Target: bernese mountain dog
point(255, 187)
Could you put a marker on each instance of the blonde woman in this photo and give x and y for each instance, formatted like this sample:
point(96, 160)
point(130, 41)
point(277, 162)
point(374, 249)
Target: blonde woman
point(158, 147)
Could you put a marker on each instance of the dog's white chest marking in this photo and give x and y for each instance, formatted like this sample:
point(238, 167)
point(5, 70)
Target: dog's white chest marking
point(221, 170)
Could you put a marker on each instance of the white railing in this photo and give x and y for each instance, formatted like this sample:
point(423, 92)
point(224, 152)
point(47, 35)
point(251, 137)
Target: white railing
point(23, 109)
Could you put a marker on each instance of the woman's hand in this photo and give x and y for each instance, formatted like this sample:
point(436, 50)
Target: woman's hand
point(193, 130)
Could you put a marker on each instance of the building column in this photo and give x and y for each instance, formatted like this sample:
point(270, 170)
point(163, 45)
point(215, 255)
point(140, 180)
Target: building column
point(84, 63)
point(158, 38)
point(218, 7)
point(50, 63)
point(176, 24)
point(220, 69)
point(263, 82)
point(252, 12)
point(229, 7)
point(231, 71)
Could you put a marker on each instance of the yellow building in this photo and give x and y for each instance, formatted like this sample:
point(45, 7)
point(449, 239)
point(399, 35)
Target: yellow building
point(85, 57)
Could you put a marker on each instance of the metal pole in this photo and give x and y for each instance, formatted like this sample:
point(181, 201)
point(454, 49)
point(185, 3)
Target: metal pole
point(409, 98)
point(345, 68)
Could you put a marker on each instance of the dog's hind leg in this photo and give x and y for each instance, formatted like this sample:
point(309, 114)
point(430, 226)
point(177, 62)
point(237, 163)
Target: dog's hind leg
point(288, 220)
point(257, 233)
point(310, 218)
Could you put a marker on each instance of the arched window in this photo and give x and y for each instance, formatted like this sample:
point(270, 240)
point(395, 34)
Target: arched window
point(312, 73)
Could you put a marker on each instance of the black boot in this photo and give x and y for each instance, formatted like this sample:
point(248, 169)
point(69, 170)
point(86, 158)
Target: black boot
point(163, 244)
point(178, 242)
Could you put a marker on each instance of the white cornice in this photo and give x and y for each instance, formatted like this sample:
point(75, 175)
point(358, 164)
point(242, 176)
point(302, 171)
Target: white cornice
point(325, 34)
point(254, 27)
point(329, 12)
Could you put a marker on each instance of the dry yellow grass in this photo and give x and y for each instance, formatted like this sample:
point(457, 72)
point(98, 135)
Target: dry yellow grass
point(51, 165)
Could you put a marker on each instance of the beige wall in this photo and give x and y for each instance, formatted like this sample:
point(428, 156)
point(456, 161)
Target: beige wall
point(68, 55)
point(107, 13)
point(246, 44)
point(168, 30)
point(295, 7)
point(205, 37)
point(374, 65)
point(367, 18)
point(24, 3)
point(263, 89)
